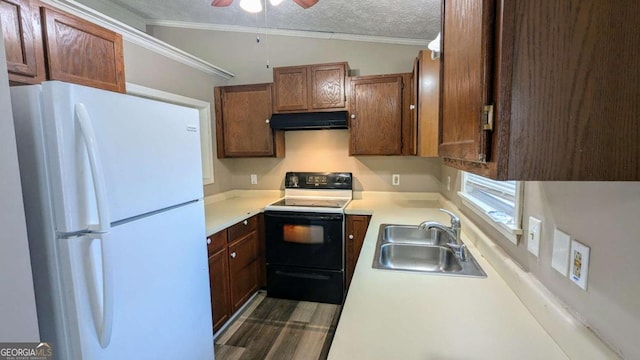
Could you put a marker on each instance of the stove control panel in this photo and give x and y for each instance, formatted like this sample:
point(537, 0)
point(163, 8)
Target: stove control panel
point(318, 180)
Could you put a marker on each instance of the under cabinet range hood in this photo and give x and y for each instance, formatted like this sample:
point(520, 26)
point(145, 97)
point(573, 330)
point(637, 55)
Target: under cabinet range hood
point(309, 121)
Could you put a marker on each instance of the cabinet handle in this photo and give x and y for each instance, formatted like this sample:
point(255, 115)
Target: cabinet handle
point(208, 241)
point(412, 107)
point(266, 121)
point(233, 255)
point(353, 116)
point(245, 222)
point(350, 237)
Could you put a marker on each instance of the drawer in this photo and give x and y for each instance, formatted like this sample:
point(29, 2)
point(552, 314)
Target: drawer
point(242, 228)
point(243, 252)
point(216, 241)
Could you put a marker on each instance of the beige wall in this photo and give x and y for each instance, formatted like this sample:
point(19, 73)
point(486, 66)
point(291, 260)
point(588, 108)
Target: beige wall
point(147, 68)
point(604, 216)
point(327, 150)
point(324, 150)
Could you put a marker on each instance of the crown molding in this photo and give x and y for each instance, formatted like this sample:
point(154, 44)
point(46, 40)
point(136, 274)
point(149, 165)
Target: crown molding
point(296, 33)
point(138, 37)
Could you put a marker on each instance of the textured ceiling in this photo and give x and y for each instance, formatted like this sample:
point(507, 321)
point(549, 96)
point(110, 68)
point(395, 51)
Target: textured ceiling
point(411, 19)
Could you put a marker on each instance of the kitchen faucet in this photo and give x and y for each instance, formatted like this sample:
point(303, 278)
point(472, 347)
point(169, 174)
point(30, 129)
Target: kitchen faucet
point(453, 232)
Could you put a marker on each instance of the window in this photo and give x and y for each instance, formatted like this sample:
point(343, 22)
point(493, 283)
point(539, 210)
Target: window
point(498, 202)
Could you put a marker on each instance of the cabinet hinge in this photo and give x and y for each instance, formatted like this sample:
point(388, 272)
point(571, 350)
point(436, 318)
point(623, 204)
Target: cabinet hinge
point(487, 117)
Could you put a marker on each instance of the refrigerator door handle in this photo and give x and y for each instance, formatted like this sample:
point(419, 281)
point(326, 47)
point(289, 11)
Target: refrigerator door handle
point(106, 326)
point(101, 230)
point(86, 129)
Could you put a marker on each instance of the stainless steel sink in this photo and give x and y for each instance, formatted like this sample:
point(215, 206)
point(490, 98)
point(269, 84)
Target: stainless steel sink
point(418, 258)
point(411, 234)
point(408, 248)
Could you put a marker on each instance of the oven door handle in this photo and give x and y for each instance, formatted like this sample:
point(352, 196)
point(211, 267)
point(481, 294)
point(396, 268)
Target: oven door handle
point(303, 275)
point(305, 215)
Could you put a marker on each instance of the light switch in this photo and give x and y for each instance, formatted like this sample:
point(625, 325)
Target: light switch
point(533, 236)
point(579, 264)
point(560, 255)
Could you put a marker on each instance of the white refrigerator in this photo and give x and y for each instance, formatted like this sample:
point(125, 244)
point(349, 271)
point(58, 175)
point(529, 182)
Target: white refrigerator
point(113, 192)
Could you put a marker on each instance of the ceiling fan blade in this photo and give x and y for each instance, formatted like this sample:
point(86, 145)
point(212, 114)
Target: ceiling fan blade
point(221, 3)
point(306, 3)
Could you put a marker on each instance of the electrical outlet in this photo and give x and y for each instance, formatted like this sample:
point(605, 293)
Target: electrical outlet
point(560, 256)
point(254, 179)
point(579, 264)
point(448, 183)
point(395, 179)
point(533, 238)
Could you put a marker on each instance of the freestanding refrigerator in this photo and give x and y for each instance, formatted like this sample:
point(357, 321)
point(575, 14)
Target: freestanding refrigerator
point(113, 192)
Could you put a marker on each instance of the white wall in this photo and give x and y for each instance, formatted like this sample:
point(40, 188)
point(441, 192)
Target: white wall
point(602, 215)
point(18, 318)
point(325, 150)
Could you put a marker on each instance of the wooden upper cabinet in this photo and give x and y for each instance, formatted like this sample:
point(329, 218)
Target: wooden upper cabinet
point(23, 41)
point(319, 87)
point(242, 122)
point(376, 120)
point(428, 99)
point(83, 53)
point(328, 86)
point(291, 88)
point(465, 82)
point(564, 91)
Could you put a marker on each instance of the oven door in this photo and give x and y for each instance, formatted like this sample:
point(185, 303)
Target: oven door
point(312, 240)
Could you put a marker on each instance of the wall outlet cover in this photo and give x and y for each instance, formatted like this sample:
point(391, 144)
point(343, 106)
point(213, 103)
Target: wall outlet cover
point(533, 236)
point(560, 255)
point(579, 264)
point(395, 179)
point(254, 179)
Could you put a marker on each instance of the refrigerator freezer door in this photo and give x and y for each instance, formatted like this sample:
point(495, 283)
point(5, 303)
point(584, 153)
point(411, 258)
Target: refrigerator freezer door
point(149, 152)
point(161, 307)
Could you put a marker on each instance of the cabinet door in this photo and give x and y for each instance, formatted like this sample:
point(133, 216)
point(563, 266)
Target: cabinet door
point(83, 53)
point(428, 111)
point(327, 86)
point(290, 89)
point(219, 284)
point(466, 78)
point(22, 40)
point(376, 115)
point(242, 122)
point(243, 269)
point(356, 230)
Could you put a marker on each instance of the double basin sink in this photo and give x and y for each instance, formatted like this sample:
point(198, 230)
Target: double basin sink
point(409, 248)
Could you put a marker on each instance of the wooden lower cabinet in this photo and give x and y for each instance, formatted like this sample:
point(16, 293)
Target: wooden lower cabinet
point(356, 229)
point(243, 269)
point(234, 268)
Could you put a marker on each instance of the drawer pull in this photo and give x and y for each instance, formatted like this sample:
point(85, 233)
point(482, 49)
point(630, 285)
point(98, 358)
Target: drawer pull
point(245, 222)
point(233, 255)
point(208, 241)
point(350, 237)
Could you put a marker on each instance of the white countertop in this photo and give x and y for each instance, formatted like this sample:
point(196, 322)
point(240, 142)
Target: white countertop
point(234, 206)
point(406, 315)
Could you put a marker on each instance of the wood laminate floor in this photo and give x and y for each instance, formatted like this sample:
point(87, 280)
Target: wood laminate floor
point(279, 329)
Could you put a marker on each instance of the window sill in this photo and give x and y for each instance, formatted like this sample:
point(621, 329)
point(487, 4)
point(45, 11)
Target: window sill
point(510, 232)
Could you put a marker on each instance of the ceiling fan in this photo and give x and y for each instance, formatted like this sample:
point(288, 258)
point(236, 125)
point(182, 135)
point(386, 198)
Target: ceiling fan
point(255, 6)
